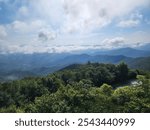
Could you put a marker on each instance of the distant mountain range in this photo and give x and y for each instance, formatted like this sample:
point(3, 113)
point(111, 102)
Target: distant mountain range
point(146, 47)
point(14, 66)
point(128, 52)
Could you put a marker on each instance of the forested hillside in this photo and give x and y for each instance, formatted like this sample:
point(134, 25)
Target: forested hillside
point(79, 88)
point(142, 63)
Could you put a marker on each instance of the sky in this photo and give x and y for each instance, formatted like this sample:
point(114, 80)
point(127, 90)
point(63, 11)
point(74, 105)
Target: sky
point(32, 26)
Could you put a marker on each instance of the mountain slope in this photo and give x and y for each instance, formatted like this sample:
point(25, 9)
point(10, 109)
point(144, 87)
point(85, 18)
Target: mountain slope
point(15, 66)
point(144, 47)
point(140, 63)
point(84, 58)
point(19, 65)
point(128, 52)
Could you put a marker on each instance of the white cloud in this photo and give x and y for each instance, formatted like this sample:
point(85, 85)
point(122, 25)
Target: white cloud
point(84, 15)
point(138, 37)
point(133, 21)
point(23, 11)
point(109, 43)
point(136, 15)
point(48, 10)
point(42, 36)
point(28, 27)
point(46, 35)
point(114, 42)
point(19, 26)
point(52, 21)
point(3, 32)
point(129, 23)
point(29, 49)
point(80, 15)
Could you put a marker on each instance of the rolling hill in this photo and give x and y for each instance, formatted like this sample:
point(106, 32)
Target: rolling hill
point(142, 63)
point(14, 66)
point(128, 52)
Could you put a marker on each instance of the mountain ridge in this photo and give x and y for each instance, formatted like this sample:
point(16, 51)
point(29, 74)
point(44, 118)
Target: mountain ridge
point(45, 63)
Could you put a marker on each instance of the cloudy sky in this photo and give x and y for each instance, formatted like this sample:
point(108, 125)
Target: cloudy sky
point(68, 25)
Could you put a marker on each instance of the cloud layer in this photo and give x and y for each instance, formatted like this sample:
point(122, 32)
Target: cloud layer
point(86, 15)
point(2, 32)
point(60, 22)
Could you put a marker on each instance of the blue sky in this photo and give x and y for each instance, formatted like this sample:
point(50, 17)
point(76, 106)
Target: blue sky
point(29, 26)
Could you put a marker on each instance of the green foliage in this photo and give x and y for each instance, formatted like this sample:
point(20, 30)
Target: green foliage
point(122, 72)
point(78, 88)
point(106, 89)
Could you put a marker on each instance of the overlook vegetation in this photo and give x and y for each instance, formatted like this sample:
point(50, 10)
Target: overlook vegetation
point(79, 88)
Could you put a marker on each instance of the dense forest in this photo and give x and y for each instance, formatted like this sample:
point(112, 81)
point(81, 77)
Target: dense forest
point(80, 88)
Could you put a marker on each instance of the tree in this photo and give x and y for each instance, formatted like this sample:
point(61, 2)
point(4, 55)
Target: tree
point(106, 89)
point(122, 72)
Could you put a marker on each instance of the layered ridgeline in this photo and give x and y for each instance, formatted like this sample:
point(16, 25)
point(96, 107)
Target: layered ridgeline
point(16, 66)
point(79, 88)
